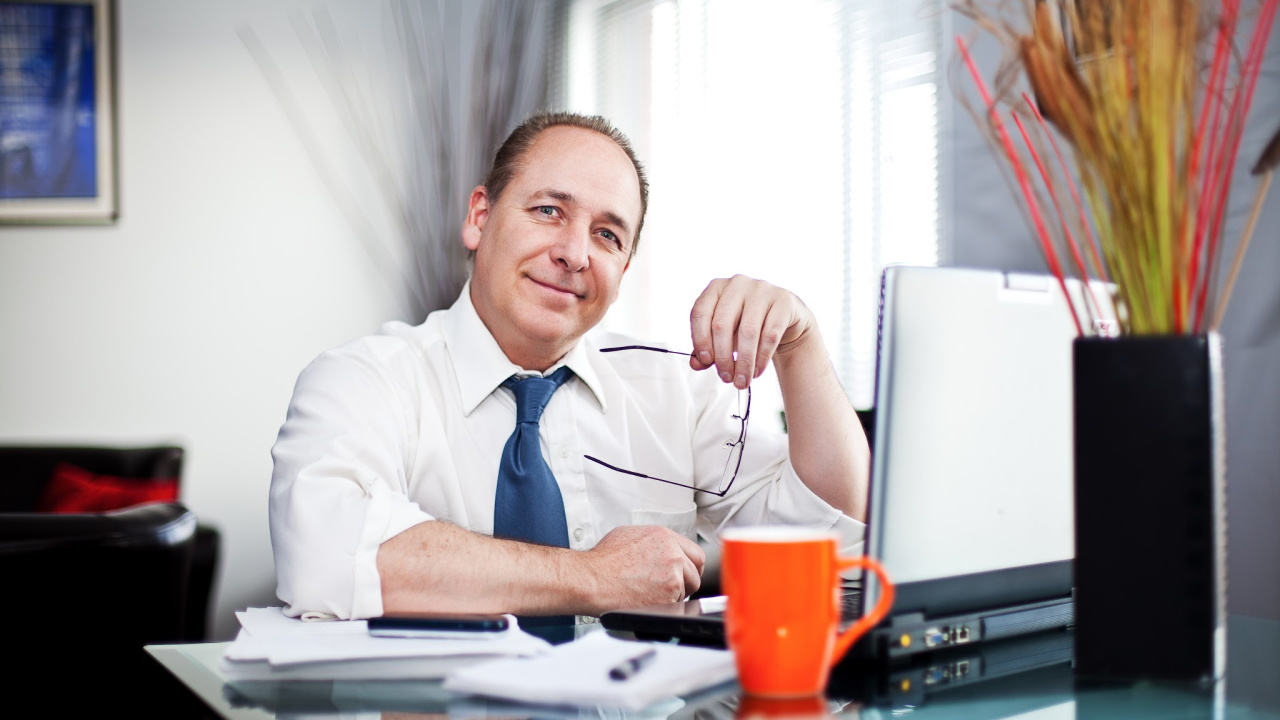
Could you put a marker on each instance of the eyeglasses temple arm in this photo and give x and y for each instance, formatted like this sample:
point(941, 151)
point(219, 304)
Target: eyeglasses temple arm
point(644, 347)
point(615, 468)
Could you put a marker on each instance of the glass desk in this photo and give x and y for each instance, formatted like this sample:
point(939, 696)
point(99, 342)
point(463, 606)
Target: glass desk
point(1023, 678)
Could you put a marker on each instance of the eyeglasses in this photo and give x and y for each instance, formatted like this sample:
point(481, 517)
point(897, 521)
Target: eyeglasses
point(732, 448)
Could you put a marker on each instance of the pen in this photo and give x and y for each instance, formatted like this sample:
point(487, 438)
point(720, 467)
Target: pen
point(629, 667)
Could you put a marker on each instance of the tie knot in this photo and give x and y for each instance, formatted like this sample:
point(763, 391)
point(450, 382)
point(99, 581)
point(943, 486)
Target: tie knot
point(533, 393)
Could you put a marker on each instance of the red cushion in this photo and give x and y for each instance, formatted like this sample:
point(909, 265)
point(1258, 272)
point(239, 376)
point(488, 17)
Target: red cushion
point(76, 490)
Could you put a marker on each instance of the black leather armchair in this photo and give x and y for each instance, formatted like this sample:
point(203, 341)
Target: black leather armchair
point(143, 574)
point(117, 579)
point(82, 594)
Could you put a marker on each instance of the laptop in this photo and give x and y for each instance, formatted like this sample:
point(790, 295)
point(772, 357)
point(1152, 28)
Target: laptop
point(971, 494)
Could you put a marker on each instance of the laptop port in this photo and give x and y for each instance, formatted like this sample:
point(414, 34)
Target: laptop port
point(934, 637)
point(962, 669)
point(962, 634)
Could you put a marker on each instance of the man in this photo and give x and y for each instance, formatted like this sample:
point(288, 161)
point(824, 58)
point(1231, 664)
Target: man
point(398, 463)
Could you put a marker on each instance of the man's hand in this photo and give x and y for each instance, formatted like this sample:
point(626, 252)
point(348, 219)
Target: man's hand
point(750, 317)
point(638, 565)
point(763, 323)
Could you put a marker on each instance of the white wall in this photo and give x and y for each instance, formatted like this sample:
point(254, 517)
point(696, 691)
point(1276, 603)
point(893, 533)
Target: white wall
point(189, 319)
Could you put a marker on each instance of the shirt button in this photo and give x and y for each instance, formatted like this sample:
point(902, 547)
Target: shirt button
point(564, 451)
point(578, 533)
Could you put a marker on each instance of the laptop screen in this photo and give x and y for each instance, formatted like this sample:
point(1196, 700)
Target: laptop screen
point(972, 466)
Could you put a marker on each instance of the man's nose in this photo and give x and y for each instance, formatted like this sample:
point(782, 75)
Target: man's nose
point(571, 249)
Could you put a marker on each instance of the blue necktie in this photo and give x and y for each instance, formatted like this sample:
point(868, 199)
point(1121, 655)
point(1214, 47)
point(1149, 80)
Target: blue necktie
point(528, 505)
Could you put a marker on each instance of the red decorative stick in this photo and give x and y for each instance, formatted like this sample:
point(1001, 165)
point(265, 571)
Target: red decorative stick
point(1021, 173)
point(1053, 195)
point(1241, 100)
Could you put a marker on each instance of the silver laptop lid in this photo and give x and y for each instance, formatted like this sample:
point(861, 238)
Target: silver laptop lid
point(972, 465)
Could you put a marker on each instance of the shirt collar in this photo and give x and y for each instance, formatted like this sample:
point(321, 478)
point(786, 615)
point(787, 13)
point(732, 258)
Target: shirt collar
point(480, 364)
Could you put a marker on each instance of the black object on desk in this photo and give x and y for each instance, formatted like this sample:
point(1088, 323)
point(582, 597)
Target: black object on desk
point(1150, 503)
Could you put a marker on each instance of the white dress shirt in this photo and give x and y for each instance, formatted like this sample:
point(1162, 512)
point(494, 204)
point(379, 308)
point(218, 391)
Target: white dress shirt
point(408, 426)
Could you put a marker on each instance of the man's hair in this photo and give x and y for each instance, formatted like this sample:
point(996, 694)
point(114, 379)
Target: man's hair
point(511, 155)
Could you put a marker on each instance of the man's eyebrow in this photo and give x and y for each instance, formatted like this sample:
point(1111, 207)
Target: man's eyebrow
point(554, 194)
point(568, 197)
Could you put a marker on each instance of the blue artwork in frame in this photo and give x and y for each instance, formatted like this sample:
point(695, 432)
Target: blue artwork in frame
point(56, 116)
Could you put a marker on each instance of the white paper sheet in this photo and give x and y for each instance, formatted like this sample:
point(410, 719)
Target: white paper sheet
point(268, 635)
point(577, 673)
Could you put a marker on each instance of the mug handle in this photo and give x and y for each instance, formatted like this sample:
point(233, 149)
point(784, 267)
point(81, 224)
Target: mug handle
point(866, 622)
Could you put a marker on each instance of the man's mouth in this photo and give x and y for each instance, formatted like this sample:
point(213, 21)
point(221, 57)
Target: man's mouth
point(556, 288)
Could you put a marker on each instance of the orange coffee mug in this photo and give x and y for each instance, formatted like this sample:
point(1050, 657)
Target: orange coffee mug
point(783, 588)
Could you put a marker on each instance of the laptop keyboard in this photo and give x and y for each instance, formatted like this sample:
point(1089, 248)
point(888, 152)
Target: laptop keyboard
point(850, 606)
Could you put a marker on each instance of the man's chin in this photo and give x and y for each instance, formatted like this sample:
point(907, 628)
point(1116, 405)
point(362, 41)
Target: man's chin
point(546, 326)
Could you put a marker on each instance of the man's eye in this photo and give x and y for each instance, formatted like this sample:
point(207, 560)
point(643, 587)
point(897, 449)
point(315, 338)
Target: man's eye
point(547, 210)
point(608, 235)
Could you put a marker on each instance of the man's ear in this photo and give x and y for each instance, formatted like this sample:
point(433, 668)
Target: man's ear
point(477, 215)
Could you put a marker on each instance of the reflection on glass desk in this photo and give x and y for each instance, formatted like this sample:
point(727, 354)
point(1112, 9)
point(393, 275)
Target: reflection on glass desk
point(1027, 677)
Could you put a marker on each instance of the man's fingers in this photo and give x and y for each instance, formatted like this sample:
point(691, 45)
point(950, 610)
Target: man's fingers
point(700, 325)
point(724, 327)
point(692, 551)
point(692, 578)
point(775, 324)
point(694, 559)
point(751, 333)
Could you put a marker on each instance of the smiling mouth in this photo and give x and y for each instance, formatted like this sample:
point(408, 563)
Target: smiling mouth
point(556, 288)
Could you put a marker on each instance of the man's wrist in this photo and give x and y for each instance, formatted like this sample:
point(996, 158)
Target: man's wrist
point(574, 580)
point(801, 351)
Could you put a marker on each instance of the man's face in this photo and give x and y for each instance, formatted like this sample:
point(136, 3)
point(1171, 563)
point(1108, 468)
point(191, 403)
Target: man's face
point(551, 252)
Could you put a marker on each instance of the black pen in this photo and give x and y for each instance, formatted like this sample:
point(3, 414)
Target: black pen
point(629, 667)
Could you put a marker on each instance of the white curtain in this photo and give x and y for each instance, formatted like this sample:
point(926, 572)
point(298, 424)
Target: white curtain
point(422, 109)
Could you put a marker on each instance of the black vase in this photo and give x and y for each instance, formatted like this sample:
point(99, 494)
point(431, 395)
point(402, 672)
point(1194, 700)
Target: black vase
point(1150, 496)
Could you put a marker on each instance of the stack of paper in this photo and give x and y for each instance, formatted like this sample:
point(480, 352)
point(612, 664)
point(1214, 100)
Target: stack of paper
point(273, 646)
point(577, 673)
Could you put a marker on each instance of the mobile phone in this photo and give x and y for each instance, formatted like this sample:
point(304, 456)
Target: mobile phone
point(433, 625)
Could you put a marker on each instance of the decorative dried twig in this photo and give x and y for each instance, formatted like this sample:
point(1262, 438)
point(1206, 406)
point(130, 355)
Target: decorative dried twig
point(1265, 167)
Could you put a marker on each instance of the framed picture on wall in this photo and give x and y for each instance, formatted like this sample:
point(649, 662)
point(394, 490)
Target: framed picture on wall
point(57, 112)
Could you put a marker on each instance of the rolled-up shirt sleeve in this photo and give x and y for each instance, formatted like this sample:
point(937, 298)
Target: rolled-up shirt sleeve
point(339, 487)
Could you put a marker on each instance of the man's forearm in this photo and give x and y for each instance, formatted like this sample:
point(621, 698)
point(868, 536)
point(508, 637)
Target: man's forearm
point(436, 566)
point(827, 446)
point(440, 567)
